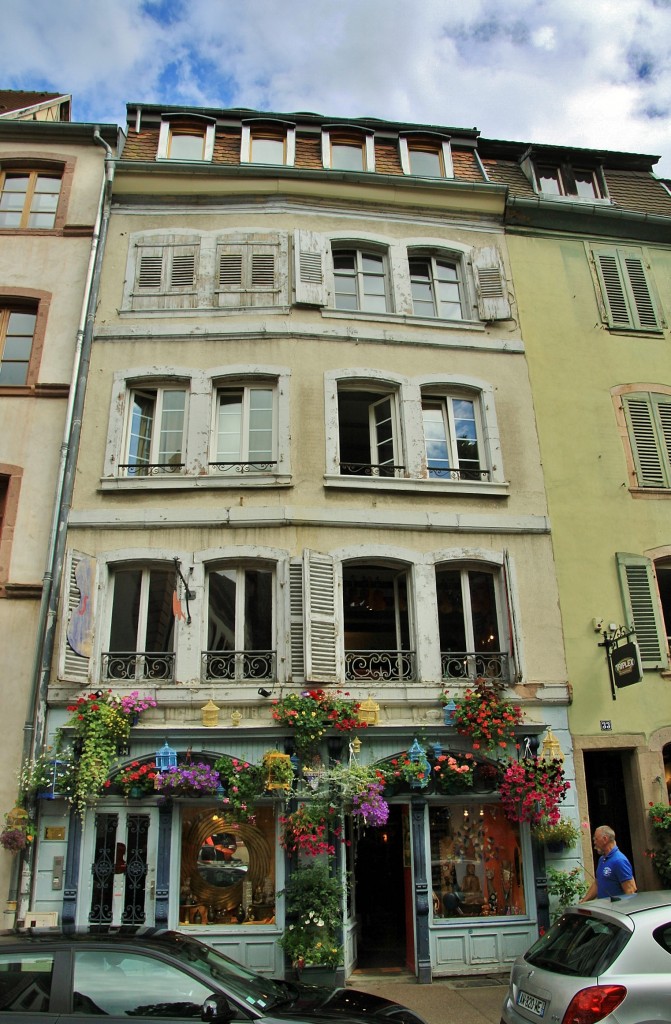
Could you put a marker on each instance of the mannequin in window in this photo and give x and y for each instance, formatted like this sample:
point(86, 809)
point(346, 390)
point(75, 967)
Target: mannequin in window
point(471, 886)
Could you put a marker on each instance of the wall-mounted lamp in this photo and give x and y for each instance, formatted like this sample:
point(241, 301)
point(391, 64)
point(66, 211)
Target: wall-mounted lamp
point(262, 692)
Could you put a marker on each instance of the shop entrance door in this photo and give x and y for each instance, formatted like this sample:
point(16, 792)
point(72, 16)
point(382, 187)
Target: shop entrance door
point(119, 868)
point(382, 894)
point(605, 776)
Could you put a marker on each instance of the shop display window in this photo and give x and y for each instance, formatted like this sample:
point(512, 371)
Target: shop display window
point(476, 862)
point(227, 874)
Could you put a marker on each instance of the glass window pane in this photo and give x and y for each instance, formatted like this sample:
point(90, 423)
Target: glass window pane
point(466, 436)
point(372, 264)
point(267, 151)
point(586, 184)
point(121, 984)
point(435, 439)
point(125, 610)
point(186, 146)
point(142, 421)
point(13, 374)
point(172, 427)
point(346, 157)
point(258, 610)
point(344, 261)
point(21, 323)
point(41, 220)
point(12, 201)
point(451, 626)
point(260, 425)
point(426, 163)
point(221, 610)
point(160, 622)
point(16, 183)
point(46, 183)
point(25, 982)
point(10, 220)
point(483, 611)
point(549, 180)
point(229, 427)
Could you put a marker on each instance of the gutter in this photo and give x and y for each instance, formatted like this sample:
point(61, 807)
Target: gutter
point(34, 730)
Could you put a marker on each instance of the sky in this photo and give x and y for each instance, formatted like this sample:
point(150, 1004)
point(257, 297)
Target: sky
point(591, 73)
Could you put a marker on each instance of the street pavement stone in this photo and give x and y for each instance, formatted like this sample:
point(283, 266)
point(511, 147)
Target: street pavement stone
point(468, 1000)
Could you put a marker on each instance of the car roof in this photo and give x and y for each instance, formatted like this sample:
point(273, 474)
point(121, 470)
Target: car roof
point(134, 935)
point(629, 905)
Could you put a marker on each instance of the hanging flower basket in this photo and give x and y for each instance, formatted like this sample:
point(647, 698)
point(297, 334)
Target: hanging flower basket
point(532, 789)
point(19, 831)
point(136, 780)
point(453, 773)
point(188, 780)
point(243, 785)
point(485, 717)
point(310, 713)
point(309, 829)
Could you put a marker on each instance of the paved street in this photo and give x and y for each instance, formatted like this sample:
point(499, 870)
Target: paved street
point(467, 1000)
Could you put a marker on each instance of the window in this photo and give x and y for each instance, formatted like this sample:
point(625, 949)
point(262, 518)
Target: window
point(648, 419)
point(142, 625)
point(376, 623)
point(368, 433)
point(451, 431)
point(565, 180)
point(268, 142)
point(469, 616)
point(186, 143)
point(25, 982)
point(360, 281)
point(436, 287)
point(240, 624)
point(347, 156)
point(626, 288)
point(186, 137)
point(348, 149)
point(155, 432)
point(645, 594)
point(165, 275)
point(267, 149)
point(426, 156)
point(17, 328)
point(245, 429)
point(29, 199)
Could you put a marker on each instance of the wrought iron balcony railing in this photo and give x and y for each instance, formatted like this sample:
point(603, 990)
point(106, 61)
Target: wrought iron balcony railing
point(238, 665)
point(380, 666)
point(243, 467)
point(149, 468)
point(458, 474)
point(370, 469)
point(470, 664)
point(144, 665)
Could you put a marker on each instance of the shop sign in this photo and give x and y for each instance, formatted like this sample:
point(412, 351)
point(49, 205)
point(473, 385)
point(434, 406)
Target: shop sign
point(625, 662)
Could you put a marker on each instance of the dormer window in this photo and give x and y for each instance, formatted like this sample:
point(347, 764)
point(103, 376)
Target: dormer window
point(189, 138)
point(426, 156)
point(554, 179)
point(268, 142)
point(345, 149)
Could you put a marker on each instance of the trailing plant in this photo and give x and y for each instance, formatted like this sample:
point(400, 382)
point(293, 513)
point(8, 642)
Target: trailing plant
point(531, 790)
point(18, 832)
point(311, 829)
point(243, 784)
point(313, 905)
point(660, 820)
point(278, 772)
point(188, 779)
point(406, 769)
point(568, 887)
point(369, 804)
point(453, 773)
point(485, 717)
point(310, 713)
point(135, 778)
point(563, 831)
point(42, 774)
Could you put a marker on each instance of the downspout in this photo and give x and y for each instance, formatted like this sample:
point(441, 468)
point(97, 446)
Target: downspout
point(35, 725)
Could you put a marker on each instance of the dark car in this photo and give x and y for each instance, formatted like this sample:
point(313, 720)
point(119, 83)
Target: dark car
point(152, 974)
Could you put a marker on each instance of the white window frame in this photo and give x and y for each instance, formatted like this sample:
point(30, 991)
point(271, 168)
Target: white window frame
point(268, 130)
point(388, 393)
point(625, 289)
point(346, 135)
point(156, 561)
point(445, 400)
point(566, 181)
point(359, 275)
point(433, 259)
point(408, 142)
point(159, 391)
point(245, 387)
point(190, 124)
point(240, 568)
point(464, 567)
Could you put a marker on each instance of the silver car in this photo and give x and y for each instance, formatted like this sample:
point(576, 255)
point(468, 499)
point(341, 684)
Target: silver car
point(608, 960)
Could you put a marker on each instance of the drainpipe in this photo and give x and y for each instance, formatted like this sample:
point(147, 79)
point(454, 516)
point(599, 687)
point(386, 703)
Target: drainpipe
point(35, 725)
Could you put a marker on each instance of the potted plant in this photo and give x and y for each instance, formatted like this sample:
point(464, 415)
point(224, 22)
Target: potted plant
point(313, 903)
point(44, 776)
point(310, 829)
point(531, 790)
point(557, 837)
point(188, 779)
point(659, 816)
point(414, 770)
point(136, 779)
point(310, 713)
point(453, 773)
point(568, 887)
point(483, 715)
point(243, 784)
point(18, 832)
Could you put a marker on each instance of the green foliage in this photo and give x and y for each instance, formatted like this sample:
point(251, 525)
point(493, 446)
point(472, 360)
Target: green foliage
point(244, 784)
point(313, 903)
point(99, 724)
point(563, 832)
point(485, 717)
point(660, 820)
point(567, 886)
point(310, 713)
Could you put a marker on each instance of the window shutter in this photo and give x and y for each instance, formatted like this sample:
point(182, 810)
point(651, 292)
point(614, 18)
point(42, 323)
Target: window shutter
point(183, 270)
point(150, 271)
point(490, 284)
point(77, 641)
point(321, 659)
point(626, 290)
point(644, 444)
point(516, 672)
point(641, 602)
point(230, 269)
point(296, 627)
point(309, 256)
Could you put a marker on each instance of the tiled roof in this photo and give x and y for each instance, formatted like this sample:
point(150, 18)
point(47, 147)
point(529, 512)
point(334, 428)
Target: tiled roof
point(16, 99)
point(504, 172)
point(639, 192)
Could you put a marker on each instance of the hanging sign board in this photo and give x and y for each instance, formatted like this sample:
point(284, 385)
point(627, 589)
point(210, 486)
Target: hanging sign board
point(625, 662)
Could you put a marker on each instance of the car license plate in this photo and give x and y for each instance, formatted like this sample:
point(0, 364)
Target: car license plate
point(531, 1003)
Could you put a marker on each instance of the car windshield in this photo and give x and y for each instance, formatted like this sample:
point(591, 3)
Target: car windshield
point(579, 944)
point(240, 983)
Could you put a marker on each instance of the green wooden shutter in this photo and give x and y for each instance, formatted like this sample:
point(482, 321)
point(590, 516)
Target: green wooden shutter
point(639, 417)
point(641, 603)
point(626, 291)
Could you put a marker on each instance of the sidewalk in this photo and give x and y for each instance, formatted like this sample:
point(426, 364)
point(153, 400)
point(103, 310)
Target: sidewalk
point(465, 1000)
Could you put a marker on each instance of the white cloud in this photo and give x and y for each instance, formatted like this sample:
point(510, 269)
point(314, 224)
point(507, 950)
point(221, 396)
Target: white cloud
point(589, 74)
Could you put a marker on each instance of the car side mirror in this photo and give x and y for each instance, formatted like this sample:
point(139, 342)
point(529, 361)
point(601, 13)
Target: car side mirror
point(217, 1010)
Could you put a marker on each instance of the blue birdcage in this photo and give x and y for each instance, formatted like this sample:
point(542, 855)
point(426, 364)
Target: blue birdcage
point(166, 758)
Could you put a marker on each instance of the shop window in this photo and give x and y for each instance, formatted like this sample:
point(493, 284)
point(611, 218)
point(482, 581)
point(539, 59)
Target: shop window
point(17, 330)
point(476, 862)
point(142, 626)
point(240, 624)
point(227, 874)
point(376, 623)
point(155, 432)
point(29, 199)
point(472, 641)
point(368, 433)
point(452, 437)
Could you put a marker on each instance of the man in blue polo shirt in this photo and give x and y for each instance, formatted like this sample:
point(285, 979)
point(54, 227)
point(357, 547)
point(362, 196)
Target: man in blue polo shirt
point(614, 875)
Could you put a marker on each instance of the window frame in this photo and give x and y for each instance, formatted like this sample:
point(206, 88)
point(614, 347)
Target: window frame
point(353, 137)
point(10, 490)
point(281, 131)
point(567, 184)
point(477, 660)
point(361, 251)
point(625, 289)
point(246, 386)
point(145, 567)
point(190, 124)
point(435, 259)
point(427, 143)
point(387, 393)
point(37, 303)
point(240, 651)
point(445, 399)
point(160, 390)
point(33, 174)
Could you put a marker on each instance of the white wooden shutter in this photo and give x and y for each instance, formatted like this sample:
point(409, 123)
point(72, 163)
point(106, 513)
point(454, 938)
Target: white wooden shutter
point(230, 269)
point(296, 622)
point(641, 602)
point(321, 656)
point(490, 284)
point(309, 263)
point(249, 270)
point(263, 270)
point(651, 458)
point(79, 620)
point(183, 267)
point(513, 631)
point(150, 270)
point(626, 291)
